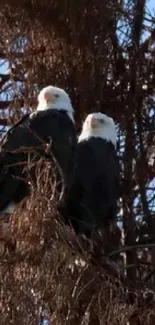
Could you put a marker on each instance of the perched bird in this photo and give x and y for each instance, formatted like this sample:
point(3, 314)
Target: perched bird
point(52, 123)
point(90, 200)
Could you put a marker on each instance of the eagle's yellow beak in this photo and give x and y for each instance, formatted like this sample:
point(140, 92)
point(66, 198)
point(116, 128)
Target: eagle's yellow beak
point(93, 122)
point(49, 97)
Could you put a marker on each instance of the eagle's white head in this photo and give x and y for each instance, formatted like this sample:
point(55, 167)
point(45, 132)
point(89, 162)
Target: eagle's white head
point(99, 125)
point(55, 98)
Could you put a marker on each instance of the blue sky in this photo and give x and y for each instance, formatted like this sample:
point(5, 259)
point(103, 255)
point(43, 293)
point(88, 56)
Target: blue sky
point(151, 4)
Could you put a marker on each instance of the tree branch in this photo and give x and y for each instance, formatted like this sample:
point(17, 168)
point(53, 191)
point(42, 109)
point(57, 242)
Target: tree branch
point(130, 248)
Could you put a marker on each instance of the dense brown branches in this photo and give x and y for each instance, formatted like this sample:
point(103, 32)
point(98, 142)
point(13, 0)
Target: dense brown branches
point(41, 270)
point(100, 53)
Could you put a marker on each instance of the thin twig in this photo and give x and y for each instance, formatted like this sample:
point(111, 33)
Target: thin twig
point(129, 248)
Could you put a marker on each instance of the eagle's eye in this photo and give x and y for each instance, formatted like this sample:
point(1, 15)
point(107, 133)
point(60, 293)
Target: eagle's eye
point(56, 96)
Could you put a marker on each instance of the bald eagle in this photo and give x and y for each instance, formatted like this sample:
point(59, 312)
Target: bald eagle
point(52, 123)
point(90, 200)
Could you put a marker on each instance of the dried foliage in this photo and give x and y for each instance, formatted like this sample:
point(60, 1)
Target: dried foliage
point(102, 53)
point(41, 270)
